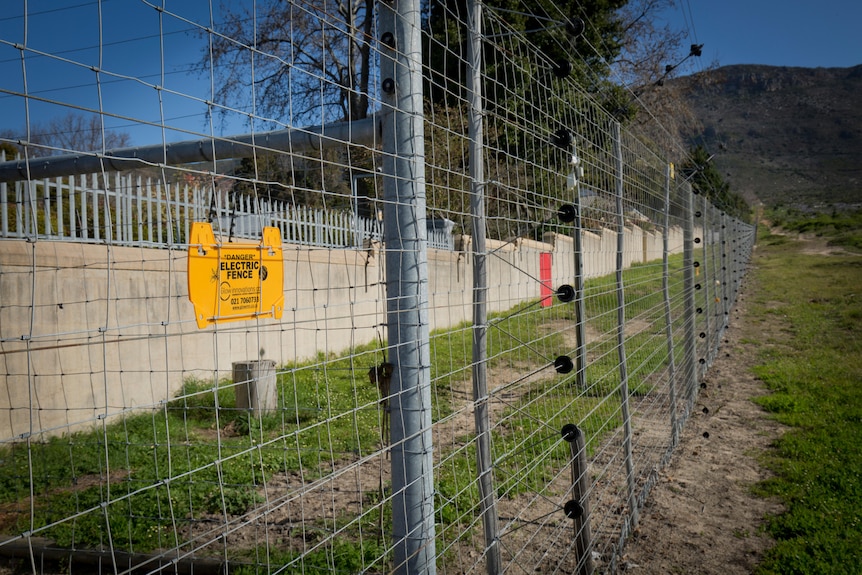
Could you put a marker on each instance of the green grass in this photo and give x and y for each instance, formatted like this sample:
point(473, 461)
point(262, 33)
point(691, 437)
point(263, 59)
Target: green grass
point(813, 371)
point(523, 464)
point(163, 464)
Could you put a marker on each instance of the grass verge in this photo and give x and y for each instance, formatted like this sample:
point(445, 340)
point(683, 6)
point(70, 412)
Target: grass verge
point(813, 369)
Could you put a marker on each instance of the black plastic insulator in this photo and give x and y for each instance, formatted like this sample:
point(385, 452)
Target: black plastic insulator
point(573, 509)
point(567, 213)
point(565, 293)
point(388, 39)
point(697, 214)
point(563, 68)
point(570, 432)
point(703, 335)
point(564, 364)
point(388, 86)
point(696, 264)
point(697, 286)
point(697, 240)
point(576, 27)
point(699, 310)
point(563, 138)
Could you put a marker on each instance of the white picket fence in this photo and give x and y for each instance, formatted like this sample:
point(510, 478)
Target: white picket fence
point(134, 211)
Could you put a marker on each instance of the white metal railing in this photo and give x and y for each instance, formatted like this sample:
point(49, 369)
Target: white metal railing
point(135, 211)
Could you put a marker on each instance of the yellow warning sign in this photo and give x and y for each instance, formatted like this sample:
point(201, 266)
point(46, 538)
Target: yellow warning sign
point(231, 282)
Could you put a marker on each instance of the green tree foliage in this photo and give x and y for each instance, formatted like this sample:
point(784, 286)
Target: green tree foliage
point(8, 149)
point(567, 47)
point(706, 180)
point(586, 36)
point(551, 67)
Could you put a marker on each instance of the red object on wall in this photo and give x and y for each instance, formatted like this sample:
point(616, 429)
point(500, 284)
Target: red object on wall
point(547, 291)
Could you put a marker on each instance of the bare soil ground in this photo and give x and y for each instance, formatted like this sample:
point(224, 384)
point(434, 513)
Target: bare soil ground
point(701, 517)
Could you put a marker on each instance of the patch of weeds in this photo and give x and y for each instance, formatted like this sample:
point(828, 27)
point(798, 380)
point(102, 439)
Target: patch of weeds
point(457, 494)
point(841, 227)
point(774, 240)
point(233, 500)
point(780, 403)
point(528, 452)
point(332, 556)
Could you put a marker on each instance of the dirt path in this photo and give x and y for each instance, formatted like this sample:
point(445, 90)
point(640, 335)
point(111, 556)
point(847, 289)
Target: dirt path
point(701, 518)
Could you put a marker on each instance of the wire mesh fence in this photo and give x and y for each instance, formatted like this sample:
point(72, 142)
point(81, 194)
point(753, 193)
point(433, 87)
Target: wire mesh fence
point(499, 401)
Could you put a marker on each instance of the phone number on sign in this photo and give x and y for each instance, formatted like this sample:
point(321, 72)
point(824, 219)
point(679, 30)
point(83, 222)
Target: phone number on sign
point(252, 299)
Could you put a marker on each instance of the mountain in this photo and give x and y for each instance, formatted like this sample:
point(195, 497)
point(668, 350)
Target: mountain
point(785, 136)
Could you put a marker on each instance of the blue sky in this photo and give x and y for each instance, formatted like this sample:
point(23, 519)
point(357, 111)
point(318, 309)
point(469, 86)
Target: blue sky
point(147, 65)
point(147, 58)
point(825, 33)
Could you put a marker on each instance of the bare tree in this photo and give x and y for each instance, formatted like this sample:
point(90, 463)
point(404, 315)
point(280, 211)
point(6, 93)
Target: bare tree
point(651, 50)
point(74, 132)
point(311, 59)
point(652, 55)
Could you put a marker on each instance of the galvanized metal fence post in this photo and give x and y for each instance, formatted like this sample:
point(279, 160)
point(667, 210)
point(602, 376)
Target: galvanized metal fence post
point(621, 328)
point(703, 271)
point(4, 214)
point(689, 341)
point(668, 320)
point(406, 261)
point(481, 412)
point(725, 273)
point(579, 506)
point(580, 305)
point(735, 254)
point(715, 277)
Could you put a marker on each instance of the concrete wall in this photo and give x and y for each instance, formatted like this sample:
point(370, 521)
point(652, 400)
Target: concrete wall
point(88, 331)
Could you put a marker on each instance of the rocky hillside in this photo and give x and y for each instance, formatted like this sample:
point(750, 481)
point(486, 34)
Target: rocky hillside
point(790, 136)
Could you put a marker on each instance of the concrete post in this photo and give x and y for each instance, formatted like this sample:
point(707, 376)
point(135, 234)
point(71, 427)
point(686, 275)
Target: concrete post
point(255, 386)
